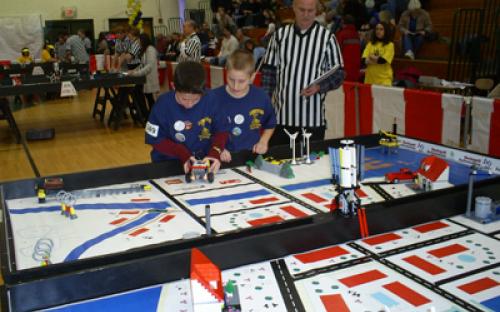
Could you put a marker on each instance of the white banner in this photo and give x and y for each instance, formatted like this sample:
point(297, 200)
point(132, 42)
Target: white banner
point(466, 158)
point(18, 32)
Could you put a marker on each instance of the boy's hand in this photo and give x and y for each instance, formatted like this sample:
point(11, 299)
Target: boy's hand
point(188, 163)
point(260, 148)
point(225, 156)
point(214, 164)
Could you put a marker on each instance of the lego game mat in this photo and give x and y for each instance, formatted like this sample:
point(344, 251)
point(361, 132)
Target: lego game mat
point(109, 222)
point(437, 266)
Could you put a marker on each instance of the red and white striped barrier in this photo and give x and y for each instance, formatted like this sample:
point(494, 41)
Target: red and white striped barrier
point(426, 115)
point(485, 132)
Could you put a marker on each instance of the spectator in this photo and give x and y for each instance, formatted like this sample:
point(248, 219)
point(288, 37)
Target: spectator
point(414, 24)
point(257, 51)
point(25, 57)
point(222, 20)
point(48, 53)
point(203, 35)
point(190, 48)
point(75, 48)
point(228, 46)
point(173, 48)
point(87, 42)
point(212, 43)
point(61, 47)
point(378, 56)
point(350, 45)
point(242, 38)
point(102, 44)
point(148, 68)
point(122, 44)
point(161, 45)
point(356, 9)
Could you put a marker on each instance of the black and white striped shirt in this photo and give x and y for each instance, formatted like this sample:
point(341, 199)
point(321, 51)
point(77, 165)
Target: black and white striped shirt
point(300, 58)
point(191, 51)
point(134, 49)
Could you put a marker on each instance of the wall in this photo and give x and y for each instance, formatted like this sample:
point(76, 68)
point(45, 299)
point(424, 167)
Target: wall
point(99, 10)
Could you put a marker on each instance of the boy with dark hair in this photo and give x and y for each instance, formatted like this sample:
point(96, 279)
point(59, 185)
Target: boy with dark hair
point(186, 125)
point(248, 109)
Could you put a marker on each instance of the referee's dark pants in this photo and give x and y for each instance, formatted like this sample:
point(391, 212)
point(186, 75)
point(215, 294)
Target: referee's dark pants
point(281, 138)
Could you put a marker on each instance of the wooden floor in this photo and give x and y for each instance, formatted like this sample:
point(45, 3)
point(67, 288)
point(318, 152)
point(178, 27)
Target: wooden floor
point(81, 143)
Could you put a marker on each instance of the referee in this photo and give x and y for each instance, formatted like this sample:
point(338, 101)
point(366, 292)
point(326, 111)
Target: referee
point(297, 55)
point(191, 48)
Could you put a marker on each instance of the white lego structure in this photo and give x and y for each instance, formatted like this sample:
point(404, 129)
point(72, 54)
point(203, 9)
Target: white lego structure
point(306, 137)
point(293, 137)
point(433, 173)
point(206, 284)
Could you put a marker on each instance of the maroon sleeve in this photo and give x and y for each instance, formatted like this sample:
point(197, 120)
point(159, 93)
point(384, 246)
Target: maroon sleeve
point(218, 143)
point(170, 148)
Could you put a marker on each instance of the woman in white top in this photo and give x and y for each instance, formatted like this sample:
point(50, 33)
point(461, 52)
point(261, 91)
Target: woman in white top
point(148, 68)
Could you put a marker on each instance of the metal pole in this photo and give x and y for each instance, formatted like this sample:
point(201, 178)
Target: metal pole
point(208, 228)
point(469, 193)
point(468, 108)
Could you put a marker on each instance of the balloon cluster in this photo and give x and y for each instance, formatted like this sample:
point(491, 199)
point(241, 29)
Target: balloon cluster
point(134, 13)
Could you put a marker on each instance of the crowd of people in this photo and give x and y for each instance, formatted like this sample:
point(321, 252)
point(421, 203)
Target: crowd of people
point(335, 41)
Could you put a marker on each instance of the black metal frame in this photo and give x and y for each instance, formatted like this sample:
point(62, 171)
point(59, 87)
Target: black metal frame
point(95, 277)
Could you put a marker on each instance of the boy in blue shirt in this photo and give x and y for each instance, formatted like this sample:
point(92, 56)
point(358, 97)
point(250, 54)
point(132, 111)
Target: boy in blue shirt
point(185, 124)
point(248, 109)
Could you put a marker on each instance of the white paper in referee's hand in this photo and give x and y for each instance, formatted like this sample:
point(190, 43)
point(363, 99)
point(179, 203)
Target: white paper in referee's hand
point(324, 76)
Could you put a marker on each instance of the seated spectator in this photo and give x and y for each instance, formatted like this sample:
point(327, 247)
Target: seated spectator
point(257, 51)
point(228, 46)
point(212, 43)
point(242, 38)
point(173, 48)
point(203, 35)
point(378, 56)
point(348, 39)
point(414, 24)
point(48, 53)
point(354, 8)
point(25, 57)
point(223, 20)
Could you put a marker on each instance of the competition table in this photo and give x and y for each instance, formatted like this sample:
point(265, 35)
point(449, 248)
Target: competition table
point(37, 85)
point(154, 263)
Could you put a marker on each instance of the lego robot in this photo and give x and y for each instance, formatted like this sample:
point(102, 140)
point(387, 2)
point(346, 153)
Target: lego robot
point(200, 170)
point(347, 163)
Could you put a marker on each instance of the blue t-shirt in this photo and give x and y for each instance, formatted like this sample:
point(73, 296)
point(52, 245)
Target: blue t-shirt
point(246, 116)
point(192, 127)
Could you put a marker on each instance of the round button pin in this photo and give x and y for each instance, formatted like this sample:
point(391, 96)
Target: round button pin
point(236, 131)
point(180, 137)
point(239, 119)
point(179, 125)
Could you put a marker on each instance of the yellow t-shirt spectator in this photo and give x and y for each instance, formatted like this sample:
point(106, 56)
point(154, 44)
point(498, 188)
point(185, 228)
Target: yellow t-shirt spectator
point(46, 56)
point(380, 74)
point(24, 59)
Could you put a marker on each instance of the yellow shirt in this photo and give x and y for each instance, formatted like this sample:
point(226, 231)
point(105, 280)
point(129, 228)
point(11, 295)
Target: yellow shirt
point(46, 56)
point(24, 59)
point(380, 74)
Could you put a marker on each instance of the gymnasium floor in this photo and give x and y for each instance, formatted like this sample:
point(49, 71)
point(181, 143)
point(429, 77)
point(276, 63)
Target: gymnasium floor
point(81, 143)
